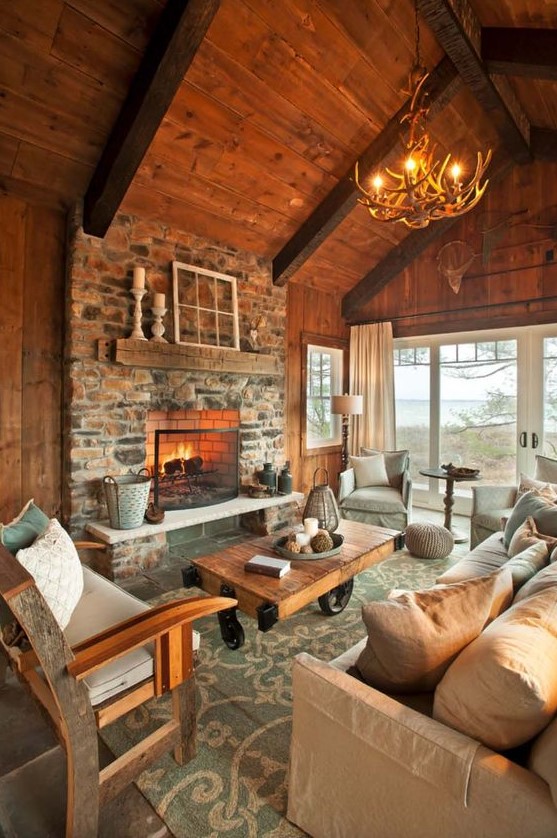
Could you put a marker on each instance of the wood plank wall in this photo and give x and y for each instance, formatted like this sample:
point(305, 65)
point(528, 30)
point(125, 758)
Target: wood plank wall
point(316, 313)
point(513, 278)
point(31, 341)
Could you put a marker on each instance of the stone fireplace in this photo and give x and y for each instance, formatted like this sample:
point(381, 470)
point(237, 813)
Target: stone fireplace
point(109, 399)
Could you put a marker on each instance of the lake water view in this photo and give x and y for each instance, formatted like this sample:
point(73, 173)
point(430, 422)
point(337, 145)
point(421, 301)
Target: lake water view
point(415, 412)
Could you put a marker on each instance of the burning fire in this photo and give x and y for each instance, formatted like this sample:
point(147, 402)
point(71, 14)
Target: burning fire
point(183, 451)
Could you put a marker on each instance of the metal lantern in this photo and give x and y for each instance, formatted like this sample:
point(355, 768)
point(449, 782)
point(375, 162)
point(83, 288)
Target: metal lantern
point(321, 504)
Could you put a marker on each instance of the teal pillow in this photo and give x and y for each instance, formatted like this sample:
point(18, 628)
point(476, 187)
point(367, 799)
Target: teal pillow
point(542, 510)
point(23, 530)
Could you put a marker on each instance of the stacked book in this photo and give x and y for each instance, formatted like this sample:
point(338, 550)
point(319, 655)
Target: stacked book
point(268, 566)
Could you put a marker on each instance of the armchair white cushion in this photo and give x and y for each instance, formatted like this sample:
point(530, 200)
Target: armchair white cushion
point(380, 505)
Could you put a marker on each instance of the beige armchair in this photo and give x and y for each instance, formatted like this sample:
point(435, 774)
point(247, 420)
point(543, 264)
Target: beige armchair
point(490, 504)
point(383, 503)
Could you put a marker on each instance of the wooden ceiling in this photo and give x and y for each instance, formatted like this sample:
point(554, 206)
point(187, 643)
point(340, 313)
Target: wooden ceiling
point(241, 120)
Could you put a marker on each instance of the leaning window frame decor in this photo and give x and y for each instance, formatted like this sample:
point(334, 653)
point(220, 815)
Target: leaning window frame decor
point(182, 271)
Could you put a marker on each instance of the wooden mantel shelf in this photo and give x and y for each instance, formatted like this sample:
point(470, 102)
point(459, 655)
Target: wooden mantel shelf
point(140, 353)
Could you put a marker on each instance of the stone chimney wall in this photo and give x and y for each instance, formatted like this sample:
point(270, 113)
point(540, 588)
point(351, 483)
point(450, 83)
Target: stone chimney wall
point(106, 403)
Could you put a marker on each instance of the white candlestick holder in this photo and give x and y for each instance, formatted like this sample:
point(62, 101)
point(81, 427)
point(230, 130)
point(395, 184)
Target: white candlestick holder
point(138, 294)
point(158, 328)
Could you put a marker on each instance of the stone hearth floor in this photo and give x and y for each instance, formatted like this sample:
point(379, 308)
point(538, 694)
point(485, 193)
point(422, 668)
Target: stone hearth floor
point(30, 757)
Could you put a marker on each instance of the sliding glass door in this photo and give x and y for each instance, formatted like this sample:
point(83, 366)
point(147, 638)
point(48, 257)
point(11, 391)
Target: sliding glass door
point(482, 400)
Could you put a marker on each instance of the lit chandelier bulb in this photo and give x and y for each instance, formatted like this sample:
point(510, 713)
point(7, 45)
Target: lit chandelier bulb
point(455, 172)
point(377, 183)
point(410, 164)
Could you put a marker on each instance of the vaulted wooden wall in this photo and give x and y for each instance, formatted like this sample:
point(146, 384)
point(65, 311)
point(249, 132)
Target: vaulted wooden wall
point(512, 280)
point(31, 341)
point(310, 313)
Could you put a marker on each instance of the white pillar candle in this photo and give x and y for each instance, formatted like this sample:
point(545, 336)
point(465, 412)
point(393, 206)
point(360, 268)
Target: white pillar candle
point(311, 525)
point(303, 539)
point(138, 278)
point(158, 301)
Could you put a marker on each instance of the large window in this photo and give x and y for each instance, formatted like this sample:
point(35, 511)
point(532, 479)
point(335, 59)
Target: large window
point(456, 402)
point(412, 388)
point(323, 380)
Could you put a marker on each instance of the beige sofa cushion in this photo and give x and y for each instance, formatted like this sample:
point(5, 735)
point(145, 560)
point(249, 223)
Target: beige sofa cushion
point(542, 757)
point(414, 636)
point(546, 469)
point(396, 462)
point(487, 557)
point(500, 689)
point(544, 579)
point(104, 604)
point(525, 565)
point(369, 471)
point(376, 498)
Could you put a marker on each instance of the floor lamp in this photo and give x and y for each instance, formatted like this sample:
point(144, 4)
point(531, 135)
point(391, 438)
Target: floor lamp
point(347, 406)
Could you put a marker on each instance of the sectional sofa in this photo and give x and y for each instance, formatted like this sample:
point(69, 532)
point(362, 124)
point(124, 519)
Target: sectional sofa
point(474, 754)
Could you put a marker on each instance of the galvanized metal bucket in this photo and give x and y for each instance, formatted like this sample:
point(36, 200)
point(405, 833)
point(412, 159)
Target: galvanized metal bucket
point(127, 496)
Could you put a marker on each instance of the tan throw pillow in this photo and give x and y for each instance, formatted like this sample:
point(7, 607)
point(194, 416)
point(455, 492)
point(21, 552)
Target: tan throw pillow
point(53, 562)
point(369, 471)
point(502, 688)
point(413, 637)
point(543, 511)
point(528, 484)
point(528, 534)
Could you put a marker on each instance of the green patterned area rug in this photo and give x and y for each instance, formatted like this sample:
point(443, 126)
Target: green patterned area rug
point(237, 785)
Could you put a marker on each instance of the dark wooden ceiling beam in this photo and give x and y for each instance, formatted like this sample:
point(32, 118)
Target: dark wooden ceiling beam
point(401, 256)
point(520, 52)
point(458, 31)
point(442, 85)
point(180, 31)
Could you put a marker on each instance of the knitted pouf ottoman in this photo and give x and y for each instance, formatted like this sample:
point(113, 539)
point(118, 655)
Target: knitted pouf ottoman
point(429, 541)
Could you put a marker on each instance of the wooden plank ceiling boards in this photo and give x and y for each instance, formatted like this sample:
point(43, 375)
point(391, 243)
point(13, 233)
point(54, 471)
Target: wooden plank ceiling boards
point(241, 120)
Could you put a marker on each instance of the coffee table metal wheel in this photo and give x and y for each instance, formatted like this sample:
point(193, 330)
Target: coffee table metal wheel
point(336, 600)
point(231, 629)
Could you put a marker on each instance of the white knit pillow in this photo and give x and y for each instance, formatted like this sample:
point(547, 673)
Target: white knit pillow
point(53, 562)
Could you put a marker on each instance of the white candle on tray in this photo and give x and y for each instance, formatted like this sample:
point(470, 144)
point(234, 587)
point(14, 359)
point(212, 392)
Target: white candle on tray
point(303, 539)
point(138, 278)
point(311, 525)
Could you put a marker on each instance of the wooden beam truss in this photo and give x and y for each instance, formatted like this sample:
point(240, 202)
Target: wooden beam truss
point(181, 28)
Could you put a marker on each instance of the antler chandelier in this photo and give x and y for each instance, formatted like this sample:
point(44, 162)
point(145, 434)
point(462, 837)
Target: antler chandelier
point(426, 189)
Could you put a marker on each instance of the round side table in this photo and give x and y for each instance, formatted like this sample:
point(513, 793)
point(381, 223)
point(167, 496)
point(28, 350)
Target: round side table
point(448, 501)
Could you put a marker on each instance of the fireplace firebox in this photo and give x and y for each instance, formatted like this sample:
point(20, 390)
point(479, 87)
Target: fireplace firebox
point(195, 467)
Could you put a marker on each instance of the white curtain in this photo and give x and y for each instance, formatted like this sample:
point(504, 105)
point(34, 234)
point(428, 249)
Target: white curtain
point(372, 376)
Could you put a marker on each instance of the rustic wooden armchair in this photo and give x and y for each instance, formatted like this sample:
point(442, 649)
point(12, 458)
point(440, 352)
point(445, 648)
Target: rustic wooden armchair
point(55, 674)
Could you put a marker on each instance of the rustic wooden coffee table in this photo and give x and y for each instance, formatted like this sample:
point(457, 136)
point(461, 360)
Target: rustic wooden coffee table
point(329, 581)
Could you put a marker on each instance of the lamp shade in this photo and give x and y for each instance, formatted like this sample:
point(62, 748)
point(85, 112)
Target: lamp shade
point(347, 405)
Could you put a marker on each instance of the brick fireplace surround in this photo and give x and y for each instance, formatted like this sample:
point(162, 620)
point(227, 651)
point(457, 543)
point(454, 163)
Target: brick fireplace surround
point(107, 404)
